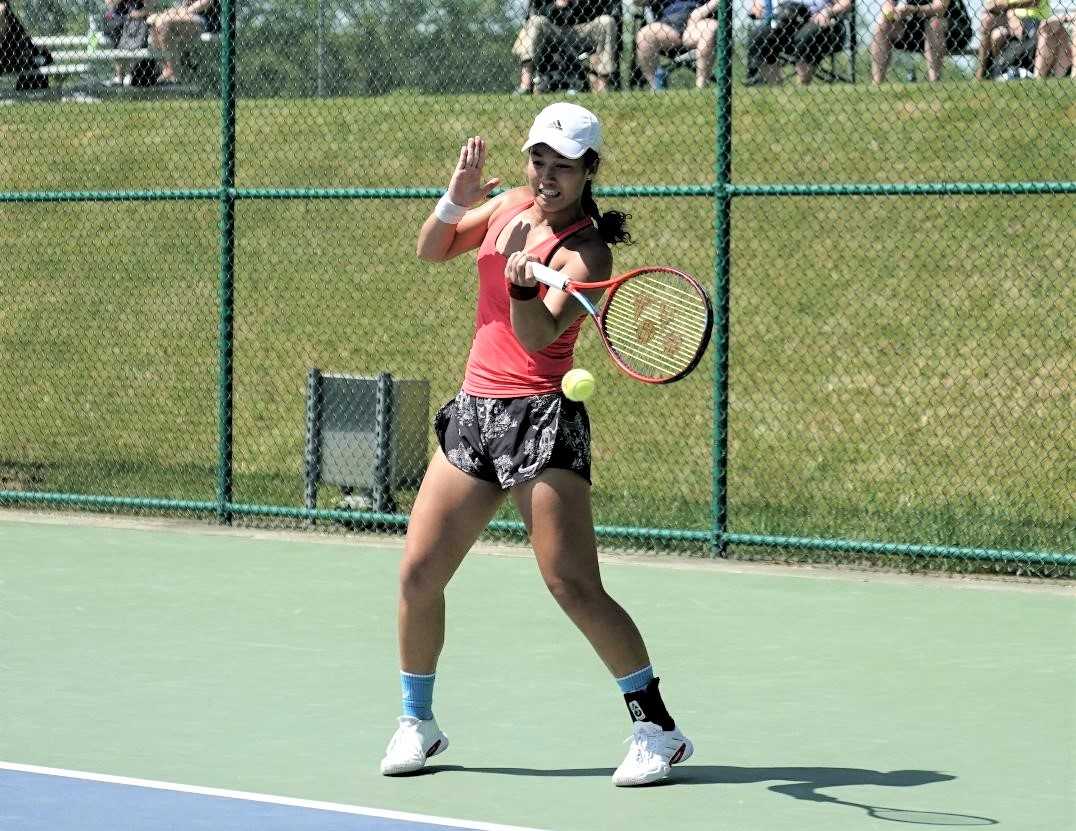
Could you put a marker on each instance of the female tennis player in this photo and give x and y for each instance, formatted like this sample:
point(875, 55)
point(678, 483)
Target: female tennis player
point(510, 430)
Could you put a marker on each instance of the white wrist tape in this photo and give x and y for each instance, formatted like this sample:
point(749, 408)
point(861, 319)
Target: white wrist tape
point(448, 211)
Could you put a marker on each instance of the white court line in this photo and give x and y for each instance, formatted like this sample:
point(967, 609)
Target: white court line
point(270, 799)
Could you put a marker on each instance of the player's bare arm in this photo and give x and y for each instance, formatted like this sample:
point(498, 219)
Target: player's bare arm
point(460, 219)
point(539, 322)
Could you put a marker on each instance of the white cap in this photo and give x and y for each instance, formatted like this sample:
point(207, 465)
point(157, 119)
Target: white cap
point(569, 129)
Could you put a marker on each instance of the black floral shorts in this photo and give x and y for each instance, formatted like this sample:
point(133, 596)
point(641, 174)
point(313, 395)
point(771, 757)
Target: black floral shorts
point(509, 441)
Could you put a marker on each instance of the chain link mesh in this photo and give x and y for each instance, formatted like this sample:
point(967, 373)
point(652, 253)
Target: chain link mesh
point(225, 319)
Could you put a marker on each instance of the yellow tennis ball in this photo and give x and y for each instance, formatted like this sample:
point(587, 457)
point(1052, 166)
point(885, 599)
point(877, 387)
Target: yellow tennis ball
point(578, 384)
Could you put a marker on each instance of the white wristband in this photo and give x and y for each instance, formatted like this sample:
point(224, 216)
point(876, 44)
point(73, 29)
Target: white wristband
point(448, 211)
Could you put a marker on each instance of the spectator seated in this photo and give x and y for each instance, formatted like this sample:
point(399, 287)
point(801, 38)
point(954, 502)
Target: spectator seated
point(935, 27)
point(565, 42)
point(801, 34)
point(681, 31)
point(175, 31)
point(1009, 36)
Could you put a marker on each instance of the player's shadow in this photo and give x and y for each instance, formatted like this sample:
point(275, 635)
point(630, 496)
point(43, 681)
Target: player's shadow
point(797, 782)
point(804, 780)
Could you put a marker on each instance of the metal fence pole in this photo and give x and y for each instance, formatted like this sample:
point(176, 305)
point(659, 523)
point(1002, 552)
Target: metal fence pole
point(321, 48)
point(226, 324)
point(722, 269)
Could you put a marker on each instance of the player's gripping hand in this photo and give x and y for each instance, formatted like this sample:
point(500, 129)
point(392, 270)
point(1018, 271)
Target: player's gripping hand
point(466, 187)
point(516, 271)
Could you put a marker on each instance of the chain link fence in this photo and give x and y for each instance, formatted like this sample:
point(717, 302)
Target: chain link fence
point(212, 307)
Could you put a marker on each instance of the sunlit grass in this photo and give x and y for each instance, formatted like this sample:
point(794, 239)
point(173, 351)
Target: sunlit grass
point(900, 368)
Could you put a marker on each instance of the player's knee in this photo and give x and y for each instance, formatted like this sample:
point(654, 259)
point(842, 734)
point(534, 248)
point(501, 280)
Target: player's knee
point(571, 593)
point(418, 582)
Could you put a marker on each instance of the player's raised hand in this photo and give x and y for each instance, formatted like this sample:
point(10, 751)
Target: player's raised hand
point(466, 187)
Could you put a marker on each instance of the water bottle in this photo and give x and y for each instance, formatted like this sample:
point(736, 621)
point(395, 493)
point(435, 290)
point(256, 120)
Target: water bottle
point(661, 78)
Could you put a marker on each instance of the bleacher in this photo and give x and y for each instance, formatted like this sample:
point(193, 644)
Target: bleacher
point(81, 69)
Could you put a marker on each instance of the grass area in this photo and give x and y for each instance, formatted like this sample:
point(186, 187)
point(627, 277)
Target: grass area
point(901, 368)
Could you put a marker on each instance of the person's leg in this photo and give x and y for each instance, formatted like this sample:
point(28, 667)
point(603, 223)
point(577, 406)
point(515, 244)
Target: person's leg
point(650, 42)
point(1072, 45)
point(176, 32)
point(1049, 50)
point(988, 23)
point(556, 511)
point(775, 48)
point(702, 37)
point(450, 511)
point(882, 45)
point(1000, 38)
point(811, 44)
point(934, 46)
point(599, 38)
point(530, 43)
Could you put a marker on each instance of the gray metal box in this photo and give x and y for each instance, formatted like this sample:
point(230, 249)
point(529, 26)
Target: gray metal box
point(349, 431)
point(366, 434)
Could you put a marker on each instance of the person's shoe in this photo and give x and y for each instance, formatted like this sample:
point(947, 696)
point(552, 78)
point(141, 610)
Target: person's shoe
point(521, 91)
point(411, 745)
point(652, 754)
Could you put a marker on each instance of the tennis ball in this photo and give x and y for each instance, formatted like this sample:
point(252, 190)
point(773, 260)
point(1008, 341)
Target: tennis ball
point(578, 384)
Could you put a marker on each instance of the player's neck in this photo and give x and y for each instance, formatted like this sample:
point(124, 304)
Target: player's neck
point(559, 220)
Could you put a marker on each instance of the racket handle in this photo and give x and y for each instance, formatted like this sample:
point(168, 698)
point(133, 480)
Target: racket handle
point(549, 276)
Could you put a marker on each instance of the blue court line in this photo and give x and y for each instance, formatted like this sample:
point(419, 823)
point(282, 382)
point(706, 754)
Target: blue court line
point(48, 799)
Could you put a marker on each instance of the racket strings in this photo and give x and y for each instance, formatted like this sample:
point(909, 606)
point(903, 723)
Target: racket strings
point(657, 323)
point(666, 350)
point(676, 307)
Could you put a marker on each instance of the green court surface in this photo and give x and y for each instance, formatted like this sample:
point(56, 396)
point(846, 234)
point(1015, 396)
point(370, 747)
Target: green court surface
point(815, 698)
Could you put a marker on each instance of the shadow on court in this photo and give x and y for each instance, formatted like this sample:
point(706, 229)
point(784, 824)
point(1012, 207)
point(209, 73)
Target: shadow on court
point(803, 784)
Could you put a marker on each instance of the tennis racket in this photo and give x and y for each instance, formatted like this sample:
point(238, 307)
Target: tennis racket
point(655, 322)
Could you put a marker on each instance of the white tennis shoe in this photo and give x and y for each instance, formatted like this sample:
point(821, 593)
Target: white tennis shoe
point(411, 745)
point(652, 754)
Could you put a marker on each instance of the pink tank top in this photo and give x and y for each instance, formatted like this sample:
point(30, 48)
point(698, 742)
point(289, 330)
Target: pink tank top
point(498, 366)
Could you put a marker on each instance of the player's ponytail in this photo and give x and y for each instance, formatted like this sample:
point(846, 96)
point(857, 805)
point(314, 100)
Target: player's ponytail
point(612, 225)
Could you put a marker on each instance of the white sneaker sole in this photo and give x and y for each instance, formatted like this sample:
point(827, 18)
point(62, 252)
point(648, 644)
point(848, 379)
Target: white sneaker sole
point(438, 747)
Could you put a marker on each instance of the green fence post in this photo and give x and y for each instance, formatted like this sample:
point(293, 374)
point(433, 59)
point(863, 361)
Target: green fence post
point(226, 329)
point(722, 247)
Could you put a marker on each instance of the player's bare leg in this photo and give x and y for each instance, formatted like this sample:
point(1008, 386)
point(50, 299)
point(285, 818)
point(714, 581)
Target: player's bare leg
point(556, 510)
point(451, 510)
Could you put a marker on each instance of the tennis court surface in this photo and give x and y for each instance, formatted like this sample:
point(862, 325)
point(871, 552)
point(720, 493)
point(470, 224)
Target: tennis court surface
point(161, 676)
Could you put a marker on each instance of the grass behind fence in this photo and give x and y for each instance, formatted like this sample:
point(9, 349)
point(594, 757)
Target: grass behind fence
point(901, 368)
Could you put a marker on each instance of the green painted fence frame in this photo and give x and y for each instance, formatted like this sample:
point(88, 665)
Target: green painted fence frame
point(723, 190)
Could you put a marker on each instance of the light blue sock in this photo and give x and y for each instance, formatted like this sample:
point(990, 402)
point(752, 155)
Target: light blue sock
point(636, 681)
point(417, 695)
